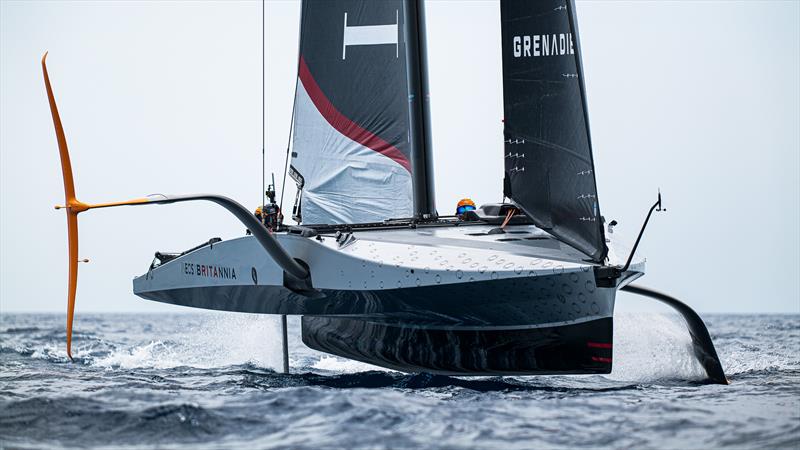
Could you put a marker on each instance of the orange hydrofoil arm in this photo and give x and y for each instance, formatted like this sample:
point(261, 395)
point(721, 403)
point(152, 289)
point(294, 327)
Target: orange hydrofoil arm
point(74, 207)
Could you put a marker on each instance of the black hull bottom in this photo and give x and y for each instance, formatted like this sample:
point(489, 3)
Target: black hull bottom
point(580, 348)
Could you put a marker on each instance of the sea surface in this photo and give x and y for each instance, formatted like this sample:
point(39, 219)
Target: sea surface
point(208, 380)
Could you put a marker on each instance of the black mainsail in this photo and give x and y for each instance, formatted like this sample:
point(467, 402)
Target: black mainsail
point(351, 128)
point(549, 171)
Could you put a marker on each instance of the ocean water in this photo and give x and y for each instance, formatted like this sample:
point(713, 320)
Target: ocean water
point(207, 380)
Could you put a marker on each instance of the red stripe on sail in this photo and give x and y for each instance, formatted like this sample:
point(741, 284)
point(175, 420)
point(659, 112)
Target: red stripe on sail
point(600, 359)
point(344, 125)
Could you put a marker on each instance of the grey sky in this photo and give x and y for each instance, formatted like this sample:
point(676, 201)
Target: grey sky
point(701, 99)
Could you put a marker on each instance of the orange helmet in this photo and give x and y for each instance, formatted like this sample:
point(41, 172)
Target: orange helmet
point(464, 205)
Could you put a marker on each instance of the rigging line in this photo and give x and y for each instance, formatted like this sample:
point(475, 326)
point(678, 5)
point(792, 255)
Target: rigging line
point(286, 160)
point(508, 218)
point(291, 123)
point(289, 140)
point(263, 115)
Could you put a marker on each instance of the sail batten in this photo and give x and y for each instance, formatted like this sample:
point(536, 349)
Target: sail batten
point(549, 169)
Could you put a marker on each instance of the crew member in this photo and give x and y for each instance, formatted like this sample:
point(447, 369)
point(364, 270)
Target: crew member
point(259, 217)
point(464, 205)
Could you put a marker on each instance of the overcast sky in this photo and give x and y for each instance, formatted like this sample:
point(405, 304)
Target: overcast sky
point(701, 99)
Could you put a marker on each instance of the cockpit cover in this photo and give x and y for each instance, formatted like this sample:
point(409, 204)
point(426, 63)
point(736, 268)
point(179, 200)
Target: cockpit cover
point(351, 141)
point(549, 171)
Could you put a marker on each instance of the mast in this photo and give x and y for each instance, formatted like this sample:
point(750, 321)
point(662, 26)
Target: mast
point(419, 110)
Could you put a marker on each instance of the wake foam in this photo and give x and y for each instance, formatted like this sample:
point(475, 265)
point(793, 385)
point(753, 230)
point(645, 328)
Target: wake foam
point(216, 340)
point(339, 365)
point(650, 347)
point(647, 347)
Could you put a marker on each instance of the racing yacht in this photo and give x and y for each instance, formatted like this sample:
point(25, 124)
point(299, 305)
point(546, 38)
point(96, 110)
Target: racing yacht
point(377, 274)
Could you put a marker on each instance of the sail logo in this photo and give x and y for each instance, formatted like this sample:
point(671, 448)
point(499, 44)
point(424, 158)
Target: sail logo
point(543, 45)
point(372, 35)
point(209, 271)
